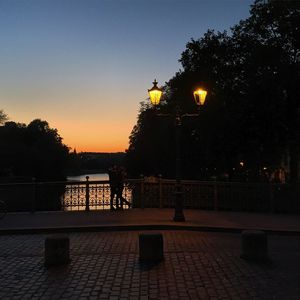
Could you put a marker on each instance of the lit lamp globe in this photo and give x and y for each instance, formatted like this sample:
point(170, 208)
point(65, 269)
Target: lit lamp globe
point(155, 93)
point(199, 96)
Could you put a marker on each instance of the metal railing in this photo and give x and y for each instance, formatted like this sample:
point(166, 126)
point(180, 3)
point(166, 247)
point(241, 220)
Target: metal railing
point(90, 195)
point(66, 196)
point(142, 193)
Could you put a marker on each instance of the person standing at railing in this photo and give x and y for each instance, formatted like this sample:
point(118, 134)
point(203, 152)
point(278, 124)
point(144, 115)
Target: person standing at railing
point(121, 174)
point(116, 180)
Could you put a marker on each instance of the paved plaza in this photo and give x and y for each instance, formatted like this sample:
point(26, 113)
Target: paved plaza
point(105, 265)
point(150, 218)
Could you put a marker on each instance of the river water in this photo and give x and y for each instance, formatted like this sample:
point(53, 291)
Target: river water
point(75, 198)
point(92, 177)
point(99, 194)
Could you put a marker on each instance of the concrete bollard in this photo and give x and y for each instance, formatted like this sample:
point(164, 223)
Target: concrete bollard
point(57, 250)
point(151, 247)
point(254, 245)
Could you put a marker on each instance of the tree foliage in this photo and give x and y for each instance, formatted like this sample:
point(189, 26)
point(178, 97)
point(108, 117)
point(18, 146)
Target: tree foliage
point(3, 117)
point(252, 109)
point(35, 150)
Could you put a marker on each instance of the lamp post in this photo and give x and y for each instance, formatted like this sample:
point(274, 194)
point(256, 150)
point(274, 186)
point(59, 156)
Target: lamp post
point(155, 94)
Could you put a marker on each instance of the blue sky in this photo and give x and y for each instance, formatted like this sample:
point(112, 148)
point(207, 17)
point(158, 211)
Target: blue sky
point(84, 65)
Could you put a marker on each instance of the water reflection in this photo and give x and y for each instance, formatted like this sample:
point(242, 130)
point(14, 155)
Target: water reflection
point(92, 177)
point(97, 190)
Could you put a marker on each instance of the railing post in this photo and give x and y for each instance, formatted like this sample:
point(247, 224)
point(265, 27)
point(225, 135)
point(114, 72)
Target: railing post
point(160, 191)
point(87, 194)
point(142, 191)
point(34, 192)
point(215, 195)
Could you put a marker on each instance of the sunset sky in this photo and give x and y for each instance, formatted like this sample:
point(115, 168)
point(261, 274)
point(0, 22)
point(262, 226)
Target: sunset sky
point(84, 65)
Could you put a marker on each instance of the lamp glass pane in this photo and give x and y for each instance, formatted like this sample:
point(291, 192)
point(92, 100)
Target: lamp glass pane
point(200, 96)
point(155, 96)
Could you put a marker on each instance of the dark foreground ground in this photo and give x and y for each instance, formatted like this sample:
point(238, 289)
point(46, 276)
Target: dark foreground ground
point(149, 218)
point(202, 256)
point(105, 265)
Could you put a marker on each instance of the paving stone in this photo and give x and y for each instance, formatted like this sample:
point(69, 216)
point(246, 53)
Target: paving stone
point(197, 265)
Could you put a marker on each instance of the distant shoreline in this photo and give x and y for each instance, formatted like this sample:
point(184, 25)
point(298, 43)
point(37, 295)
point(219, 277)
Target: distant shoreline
point(92, 177)
point(86, 171)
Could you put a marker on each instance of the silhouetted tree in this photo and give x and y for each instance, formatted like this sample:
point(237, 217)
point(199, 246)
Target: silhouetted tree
point(3, 117)
point(35, 150)
point(252, 110)
point(150, 146)
point(268, 43)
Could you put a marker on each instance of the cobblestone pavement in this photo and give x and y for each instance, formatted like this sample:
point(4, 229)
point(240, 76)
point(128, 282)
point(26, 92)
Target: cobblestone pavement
point(105, 265)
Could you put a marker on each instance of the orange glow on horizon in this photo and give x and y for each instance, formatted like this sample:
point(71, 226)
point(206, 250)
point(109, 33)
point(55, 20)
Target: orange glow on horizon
point(95, 136)
point(110, 134)
point(102, 143)
point(93, 148)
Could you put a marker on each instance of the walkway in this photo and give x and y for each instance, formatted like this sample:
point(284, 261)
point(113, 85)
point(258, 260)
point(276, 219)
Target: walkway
point(198, 264)
point(148, 219)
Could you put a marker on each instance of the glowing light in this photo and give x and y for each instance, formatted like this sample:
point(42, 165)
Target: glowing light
point(200, 95)
point(155, 93)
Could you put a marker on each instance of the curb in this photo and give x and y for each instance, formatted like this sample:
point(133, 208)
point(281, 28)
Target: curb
point(73, 229)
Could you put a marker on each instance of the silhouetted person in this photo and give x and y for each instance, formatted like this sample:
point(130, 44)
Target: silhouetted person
point(120, 187)
point(116, 181)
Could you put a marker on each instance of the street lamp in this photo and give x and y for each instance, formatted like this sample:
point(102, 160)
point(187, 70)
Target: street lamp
point(200, 96)
point(155, 94)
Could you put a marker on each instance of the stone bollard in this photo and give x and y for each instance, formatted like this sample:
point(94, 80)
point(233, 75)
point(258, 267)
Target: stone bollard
point(254, 245)
point(57, 250)
point(151, 248)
